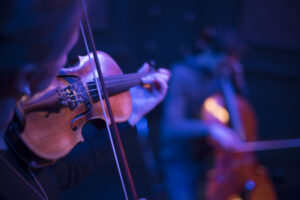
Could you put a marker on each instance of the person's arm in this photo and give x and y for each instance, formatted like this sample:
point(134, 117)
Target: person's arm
point(146, 99)
point(176, 123)
point(83, 159)
point(87, 156)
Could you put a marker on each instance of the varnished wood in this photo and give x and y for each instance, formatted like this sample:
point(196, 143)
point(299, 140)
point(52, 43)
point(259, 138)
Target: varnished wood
point(233, 170)
point(49, 134)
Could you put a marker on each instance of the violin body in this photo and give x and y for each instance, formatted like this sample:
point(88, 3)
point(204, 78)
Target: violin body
point(55, 116)
point(236, 175)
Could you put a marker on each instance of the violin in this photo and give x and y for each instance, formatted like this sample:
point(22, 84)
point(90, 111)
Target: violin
point(48, 125)
point(55, 116)
point(236, 175)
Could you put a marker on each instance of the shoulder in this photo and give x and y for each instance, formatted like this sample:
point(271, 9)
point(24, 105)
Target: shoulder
point(181, 70)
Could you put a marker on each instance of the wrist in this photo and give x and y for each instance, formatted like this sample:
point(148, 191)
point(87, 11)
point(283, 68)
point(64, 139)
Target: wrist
point(133, 119)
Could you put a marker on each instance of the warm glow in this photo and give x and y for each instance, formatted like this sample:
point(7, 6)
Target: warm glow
point(216, 110)
point(236, 198)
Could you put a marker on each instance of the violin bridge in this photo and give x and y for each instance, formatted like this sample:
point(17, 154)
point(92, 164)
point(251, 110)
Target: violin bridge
point(74, 94)
point(77, 93)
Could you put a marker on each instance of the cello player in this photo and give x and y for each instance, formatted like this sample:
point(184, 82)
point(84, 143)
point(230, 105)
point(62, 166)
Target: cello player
point(184, 153)
point(35, 39)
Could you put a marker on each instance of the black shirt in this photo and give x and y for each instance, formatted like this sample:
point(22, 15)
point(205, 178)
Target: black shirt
point(66, 172)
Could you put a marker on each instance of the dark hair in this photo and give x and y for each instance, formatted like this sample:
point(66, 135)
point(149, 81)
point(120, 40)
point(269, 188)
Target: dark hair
point(226, 40)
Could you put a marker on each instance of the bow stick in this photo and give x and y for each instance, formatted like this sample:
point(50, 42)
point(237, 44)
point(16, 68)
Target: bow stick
point(268, 145)
point(114, 135)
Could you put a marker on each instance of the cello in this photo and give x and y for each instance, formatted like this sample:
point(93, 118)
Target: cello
point(236, 175)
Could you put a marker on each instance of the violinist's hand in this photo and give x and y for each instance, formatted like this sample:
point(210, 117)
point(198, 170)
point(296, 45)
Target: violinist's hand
point(224, 136)
point(145, 99)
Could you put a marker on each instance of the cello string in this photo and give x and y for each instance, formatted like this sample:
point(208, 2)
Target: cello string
point(103, 108)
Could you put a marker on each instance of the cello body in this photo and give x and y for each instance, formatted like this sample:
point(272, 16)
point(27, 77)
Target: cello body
point(236, 175)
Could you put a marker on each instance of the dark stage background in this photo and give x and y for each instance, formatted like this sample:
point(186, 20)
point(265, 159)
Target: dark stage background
point(133, 31)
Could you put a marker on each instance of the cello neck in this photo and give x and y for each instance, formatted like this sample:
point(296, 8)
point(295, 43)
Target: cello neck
point(231, 104)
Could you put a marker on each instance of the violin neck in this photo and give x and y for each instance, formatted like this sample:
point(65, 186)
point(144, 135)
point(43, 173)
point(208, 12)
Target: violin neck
point(121, 83)
point(118, 83)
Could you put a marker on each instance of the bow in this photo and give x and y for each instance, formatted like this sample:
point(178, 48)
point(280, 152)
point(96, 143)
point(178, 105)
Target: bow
point(114, 135)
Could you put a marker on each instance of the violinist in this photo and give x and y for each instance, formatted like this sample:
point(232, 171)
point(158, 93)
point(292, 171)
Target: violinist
point(185, 154)
point(36, 37)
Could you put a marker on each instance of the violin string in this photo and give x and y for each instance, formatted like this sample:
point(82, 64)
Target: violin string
point(118, 79)
point(118, 83)
point(110, 84)
point(103, 108)
point(124, 76)
point(113, 82)
point(94, 90)
point(81, 93)
point(125, 79)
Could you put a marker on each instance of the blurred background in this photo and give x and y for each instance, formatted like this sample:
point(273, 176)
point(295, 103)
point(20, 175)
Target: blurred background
point(133, 31)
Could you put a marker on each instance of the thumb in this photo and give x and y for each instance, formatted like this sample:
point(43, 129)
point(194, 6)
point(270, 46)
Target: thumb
point(144, 68)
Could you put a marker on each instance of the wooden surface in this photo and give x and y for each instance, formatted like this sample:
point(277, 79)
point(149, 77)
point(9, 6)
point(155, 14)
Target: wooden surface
point(233, 170)
point(49, 134)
